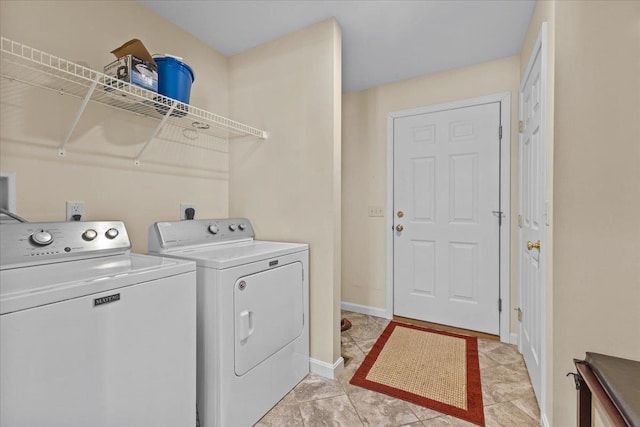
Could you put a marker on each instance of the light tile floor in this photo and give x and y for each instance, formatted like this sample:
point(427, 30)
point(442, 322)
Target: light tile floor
point(317, 401)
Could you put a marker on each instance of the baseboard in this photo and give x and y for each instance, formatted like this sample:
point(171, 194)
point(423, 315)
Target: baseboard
point(364, 309)
point(326, 369)
point(513, 339)
point(544, 421)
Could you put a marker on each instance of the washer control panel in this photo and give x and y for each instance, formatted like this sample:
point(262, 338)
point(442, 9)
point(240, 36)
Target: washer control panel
point(174, 234)
point(29, 243)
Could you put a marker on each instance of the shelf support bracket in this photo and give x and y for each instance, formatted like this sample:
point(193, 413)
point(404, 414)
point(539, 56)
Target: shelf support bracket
point(155, 133)
point(76, 120)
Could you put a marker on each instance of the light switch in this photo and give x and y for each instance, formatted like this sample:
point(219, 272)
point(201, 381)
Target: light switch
point(376, 211)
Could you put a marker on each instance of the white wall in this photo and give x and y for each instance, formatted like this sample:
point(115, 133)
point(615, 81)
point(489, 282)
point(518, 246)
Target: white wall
point(289, 185)
point(98, 168)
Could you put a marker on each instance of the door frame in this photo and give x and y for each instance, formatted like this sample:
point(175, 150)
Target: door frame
point(505, 198)
point(539, 48)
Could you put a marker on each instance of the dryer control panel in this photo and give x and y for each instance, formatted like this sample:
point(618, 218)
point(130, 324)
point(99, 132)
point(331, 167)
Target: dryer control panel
point(168, 235)
point(33, 243)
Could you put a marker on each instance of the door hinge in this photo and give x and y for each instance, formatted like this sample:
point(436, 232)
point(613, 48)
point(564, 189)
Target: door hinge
point(520, 126)
point(500, 305)
point(500, 132)
point(500, 215)
point(519, 310)
point(520, 221)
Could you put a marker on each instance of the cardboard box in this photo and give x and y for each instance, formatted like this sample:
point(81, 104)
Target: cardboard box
point(133, 70)
point(134, 65)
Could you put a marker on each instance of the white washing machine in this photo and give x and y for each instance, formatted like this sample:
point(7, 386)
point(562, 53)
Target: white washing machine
point(90, 334)
point(253, 315)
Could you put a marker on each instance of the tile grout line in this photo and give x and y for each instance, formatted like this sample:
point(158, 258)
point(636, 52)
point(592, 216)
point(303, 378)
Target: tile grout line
point(345, 389)
point(355, 409)
point(301, 416)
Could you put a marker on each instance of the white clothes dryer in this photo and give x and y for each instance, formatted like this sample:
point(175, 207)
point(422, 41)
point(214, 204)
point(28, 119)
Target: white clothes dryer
point(253, 315)
point(90, 334)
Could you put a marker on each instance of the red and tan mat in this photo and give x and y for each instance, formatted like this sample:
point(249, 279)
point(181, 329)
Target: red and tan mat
point(435, 369)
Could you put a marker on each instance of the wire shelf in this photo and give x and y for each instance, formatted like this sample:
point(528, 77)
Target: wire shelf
point(33, 67)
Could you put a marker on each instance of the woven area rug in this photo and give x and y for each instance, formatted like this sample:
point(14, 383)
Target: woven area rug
point(434, 369)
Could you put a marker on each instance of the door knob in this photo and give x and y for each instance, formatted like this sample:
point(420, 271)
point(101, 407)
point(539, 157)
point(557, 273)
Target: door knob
point(399, 227)
point(531, 245)
point(400, 214)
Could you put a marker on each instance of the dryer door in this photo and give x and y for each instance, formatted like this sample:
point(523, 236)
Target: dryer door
point(268, 309)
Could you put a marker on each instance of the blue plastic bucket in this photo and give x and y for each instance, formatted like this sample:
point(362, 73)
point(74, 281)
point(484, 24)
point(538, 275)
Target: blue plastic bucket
point(174, 78)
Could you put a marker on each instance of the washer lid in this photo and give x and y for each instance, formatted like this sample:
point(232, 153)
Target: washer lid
point(28, 287)
point(221, 256)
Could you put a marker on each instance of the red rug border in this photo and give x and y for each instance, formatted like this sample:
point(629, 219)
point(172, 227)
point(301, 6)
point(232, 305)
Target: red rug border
point(475, 407)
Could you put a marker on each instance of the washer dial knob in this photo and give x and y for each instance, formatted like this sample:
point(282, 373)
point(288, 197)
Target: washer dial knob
point(242, 226)
point(42, 238)
point(89, 235)
point(233, 227)
point(213, 229)
point(111, 233)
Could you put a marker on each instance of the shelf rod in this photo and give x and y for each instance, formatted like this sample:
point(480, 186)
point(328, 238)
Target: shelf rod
point(154, 134)
point(76, 120)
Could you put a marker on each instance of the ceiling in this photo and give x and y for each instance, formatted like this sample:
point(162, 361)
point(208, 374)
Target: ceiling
point(382, 41)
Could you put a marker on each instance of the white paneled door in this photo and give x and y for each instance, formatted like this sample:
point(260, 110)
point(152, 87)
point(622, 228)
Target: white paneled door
point(447, 217)
point(532, 211)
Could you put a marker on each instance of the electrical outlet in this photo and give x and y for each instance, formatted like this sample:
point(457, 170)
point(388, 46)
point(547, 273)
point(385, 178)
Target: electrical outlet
point(376, 211)
point(75, 208)
point(184, 207)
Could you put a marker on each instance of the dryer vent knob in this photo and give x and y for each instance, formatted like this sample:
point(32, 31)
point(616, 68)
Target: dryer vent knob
point(89, 235)
point(111, 233)
point(233, 227)
point(213, 229)
point(42, 238)
point(242, 226)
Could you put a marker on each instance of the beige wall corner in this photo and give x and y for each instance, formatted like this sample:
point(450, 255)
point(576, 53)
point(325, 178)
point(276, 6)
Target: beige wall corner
point(99, 168)
point(289, 184)
point(544, 12)
point(364, 162)
point(596, 283)
point(337, 188)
